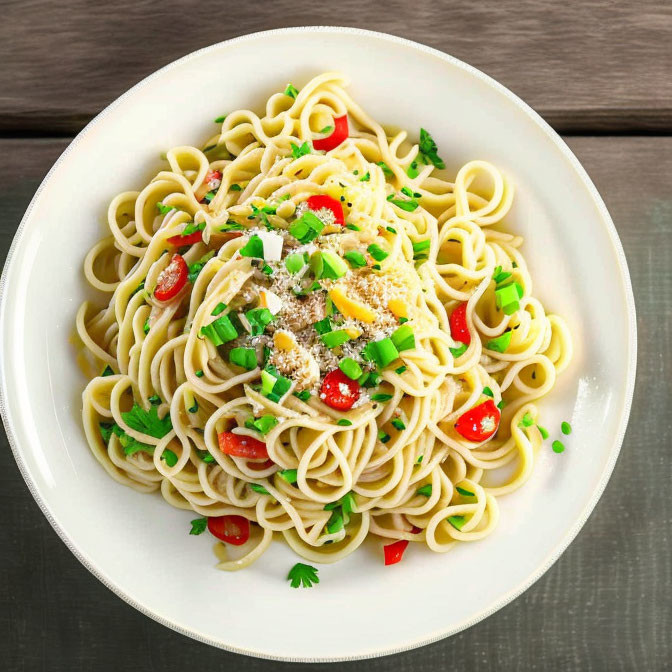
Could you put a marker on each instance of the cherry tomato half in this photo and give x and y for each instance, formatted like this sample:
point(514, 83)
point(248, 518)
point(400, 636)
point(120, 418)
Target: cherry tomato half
point(338, 135)
point(240, 445)
point(230, 529)
point(320, 201)
point(458, 325)
point(171, 279)
point(339, 391)
point(480, 422)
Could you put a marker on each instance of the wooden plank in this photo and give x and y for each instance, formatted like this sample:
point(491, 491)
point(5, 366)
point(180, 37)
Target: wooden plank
point(605, 605)
point(598, 65)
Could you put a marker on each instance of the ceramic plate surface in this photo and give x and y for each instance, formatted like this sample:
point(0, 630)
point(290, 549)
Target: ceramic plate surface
point(137, 544)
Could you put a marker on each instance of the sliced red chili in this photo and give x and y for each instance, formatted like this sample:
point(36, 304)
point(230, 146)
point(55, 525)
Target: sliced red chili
point(458, 325)
point(339, 391)
point(480, 422)
point(322, 201)
point(172, 279)
point(190, 239)
point(206, 185)
point(336, 137)
point(395, 552)
point(230, 529)
point(241, 445)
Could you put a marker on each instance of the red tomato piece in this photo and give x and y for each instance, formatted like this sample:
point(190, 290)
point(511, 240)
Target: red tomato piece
point(339, 391)
point(171, 279)
point(395, 552)
point(321, 201)
point(240, 445)
point(458, 325)
point(230, 529)
point(191, 239)
point(480, 422)
point(337, 136)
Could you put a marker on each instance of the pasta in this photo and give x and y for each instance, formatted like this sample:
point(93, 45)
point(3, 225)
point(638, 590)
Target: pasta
point(307, 330)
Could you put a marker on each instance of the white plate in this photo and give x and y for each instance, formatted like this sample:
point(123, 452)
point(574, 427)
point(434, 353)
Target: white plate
point(137, 544)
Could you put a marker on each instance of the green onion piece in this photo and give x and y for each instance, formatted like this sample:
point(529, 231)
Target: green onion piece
point(488, 392)
point(408, 206)
point(501, 343)
point(506, 297)
point(425, 490)
point(294, 262)
point(407, 192)
point(333, 339)
point(398, 423)
point(259, 488)
point(327, 129)
point(543, 431)
point(220, 307)
point(403, 338)
point(145, 326)
point(566, 428)
point(400, 370)
point(499, 276)
point(459, 351)
point(298, 152)
point(355, 259)
point(245, 357)
point(457, 521)
point(501, 404)
point(266, 269)
point(307, 227)
point(291, 91)
point(366, 177)
point(412, 170)
point(391, 229)
point(465, 493)
point(343, 422)
point(253, 248)
point(558, 446)
point(154, 400)
point(107, 371)
point(403, 320)
point(194, 408)
point(377, 252)
point(350, 368)
point(164, 209)
point(258, 319)
point(273, 385)
point(264, 424)
point(383, 436)
point(205, 456)
point(288, 475)
point(199, 373)
point(220, 331)
point(335, 523)
point(198, 526)
point(526, 421)
point(304, 395)
point(235, 187)
point(370, 379)
point(381, 397)
point(429, 150)
point(419, 460)
point(323, 326)
point(169, 457)
point(382, 352)
point(333, 266)
point(387, 171)
point(421, 246)
point(352, 227)
point(268, 381)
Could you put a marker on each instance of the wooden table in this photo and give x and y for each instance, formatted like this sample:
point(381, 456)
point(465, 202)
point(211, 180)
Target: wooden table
point(600, 72)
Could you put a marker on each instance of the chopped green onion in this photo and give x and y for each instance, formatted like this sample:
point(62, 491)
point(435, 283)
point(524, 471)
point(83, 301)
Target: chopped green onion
point(333, 339)
point(220, 331)
point(145, 326)
point(465, 493)
point(245, 357)
point(291, 91)
point(219, 308)
point(199, 373)
point(419, 460)
point(205, 456)
point(258, 319)
point(323, 326)
point(259, 488)
point(307, 227)
point(264, 424)
point(459, 351)
point(198, 526)
point(526, 421)
point(381, 397)
point(488, 392)
point(355, 259)
point(566, 428)
point(400, 370)
point(457, 521)
point(499, 276)
point(327, 129)
point(391, 230)
point(366, 177)
point(304, 395)
point(412, 170)
point(398, 423)
point(333, 266)
point(107, 371)
point(429, 150)
point(403, 338)
point(352, 227)
point(169, 457)
point(165, 209)
point(558, 446)
point(543, 431)
point(253, 248)
point(273, 385)
point(408, 206)
point(220, 120)
point(370, 379)
point(194, 408)
point(382, 352)
point(387, 171)
point(235, 187)
point(383, 436)
point(506, 297)
point(403, 320)
point(350, 368)
point(335, 523)
point(425, 490)
point(154, 400)
point(288, 475)
point(501, 343)
point(343, 422)
point(501, 404)
point(377, 252)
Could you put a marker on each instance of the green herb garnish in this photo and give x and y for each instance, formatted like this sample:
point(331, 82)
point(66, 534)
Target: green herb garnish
point(488, 392)
point(198, 526)
point(465, 493)
point(343, 422)
point(526, 421)
point(302, 575)
point(425, 490)
point(148, 422)
point(291, 91)
point(304, 395)
point(289, 475)
point(566, 428)
point(457, 521)
point(107, 371)
point(501, 343)
point(299, 151)
point(377, 252)
point(459, 351)
point(398, 423)
point(381, 397)
point(350, 368)
point(558, 446)
point(428, 150)
point(366, 177)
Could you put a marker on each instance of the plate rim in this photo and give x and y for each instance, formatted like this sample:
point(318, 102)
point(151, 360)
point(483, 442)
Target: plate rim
point(625, 410)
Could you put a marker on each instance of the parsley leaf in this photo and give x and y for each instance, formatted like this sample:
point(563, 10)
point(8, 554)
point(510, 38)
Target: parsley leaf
point(291, 91)
point(198, 526)
point(428, 150)
point(148, 422)
point(302, 575)
point(298, 152)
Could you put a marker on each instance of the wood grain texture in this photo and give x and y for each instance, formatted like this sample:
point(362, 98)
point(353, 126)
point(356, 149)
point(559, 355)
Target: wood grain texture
point(605, 605)
point(586, 65)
